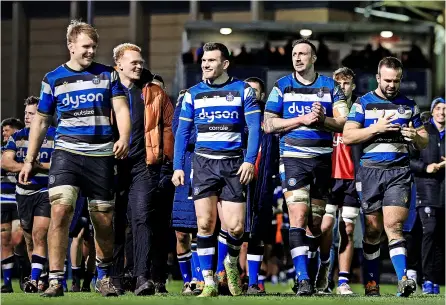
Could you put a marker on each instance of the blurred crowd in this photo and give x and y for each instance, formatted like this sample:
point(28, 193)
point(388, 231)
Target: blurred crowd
point(278, 56)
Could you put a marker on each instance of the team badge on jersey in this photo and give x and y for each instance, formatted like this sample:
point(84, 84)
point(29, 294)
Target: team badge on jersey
point(320, 93)
point(292, 182)
point(229, 97)
point(196, 191)
point(96, 80)
point(401, 109)
point(65, 83)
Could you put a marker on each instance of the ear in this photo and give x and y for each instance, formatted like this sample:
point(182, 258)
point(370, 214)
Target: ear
point(377, 78)
point(313, 58)
point(70, 46)
point(262, 96)
point(225, 64)
point(353, 87)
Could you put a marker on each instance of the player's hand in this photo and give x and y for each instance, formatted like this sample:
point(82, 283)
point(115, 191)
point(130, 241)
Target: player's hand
point(442, 164)
point(384, 123)
point(319, 110)
point(433, 168)
point(409, 133)
point(25, 173)
point(121, 149)
point(178, 177)
point(309, 118)
point(246, 172)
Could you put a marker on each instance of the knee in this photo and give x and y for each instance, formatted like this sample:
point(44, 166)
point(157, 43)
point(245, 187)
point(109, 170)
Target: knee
point(237, 231)
point(349, 230)
point(205, 226)
point(182, 238)
point(60, 214)
point(372, 235)
point(5, 237)
point(393, 228)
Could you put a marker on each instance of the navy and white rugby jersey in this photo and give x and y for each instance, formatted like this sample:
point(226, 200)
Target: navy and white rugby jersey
point(82, 101)
point(8, 183)
point(219, 114)
point(290, 98)
point(390, 148)
point(18, 143)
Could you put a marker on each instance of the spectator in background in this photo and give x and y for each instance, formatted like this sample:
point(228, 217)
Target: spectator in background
point(416, 58)
point(323, 55)
point(428, 166)
point(188, 57)
point(243, 59)
point(199, 53)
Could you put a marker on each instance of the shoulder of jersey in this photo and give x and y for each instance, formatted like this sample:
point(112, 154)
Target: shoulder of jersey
point(52, 75)
point(284, 80)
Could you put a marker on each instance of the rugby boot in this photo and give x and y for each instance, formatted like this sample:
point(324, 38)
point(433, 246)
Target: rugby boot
point(54, 290)
point(234, 281)
point(209, 291)
point(372, 289)
point(406, 287)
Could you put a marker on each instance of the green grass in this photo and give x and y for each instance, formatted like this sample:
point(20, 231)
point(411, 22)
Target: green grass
point(285, 297)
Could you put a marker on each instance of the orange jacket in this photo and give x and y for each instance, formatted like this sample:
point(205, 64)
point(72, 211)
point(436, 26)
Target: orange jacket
point(158, 114)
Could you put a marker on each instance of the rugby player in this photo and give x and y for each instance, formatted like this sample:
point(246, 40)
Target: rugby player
point(32, 198)
point(304, 107)
point(386, 122)
point(82, 92)
point(11, 232)
point(260, 201)
point(219, 108)
point(344, 197)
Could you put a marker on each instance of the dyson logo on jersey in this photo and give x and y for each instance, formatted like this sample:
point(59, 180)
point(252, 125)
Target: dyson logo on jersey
point(301, 110)
point(211, 116)
point(83, 98)
point(21, 153)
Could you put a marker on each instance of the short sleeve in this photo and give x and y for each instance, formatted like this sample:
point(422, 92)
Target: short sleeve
point(274, 104)
point(47, 103)
point(416, 119)
point(250, 102)
point(356, 113)
point(337, 93)
point(187, 108)
point(116, 87)
point(10, 145)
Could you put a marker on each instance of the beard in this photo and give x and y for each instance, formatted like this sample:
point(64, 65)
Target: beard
point(387, 94)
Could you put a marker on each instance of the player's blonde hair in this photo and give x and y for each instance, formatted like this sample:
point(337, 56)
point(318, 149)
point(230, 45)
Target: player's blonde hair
point(77, 27)
point(119, 50)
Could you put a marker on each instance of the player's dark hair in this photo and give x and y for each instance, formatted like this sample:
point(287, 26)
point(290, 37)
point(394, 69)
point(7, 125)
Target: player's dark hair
point(344, 72)
point(212, 46)
point(13, 122)
point(257, 80)
point(31, 100)
point(306, 41)
point(390, 62)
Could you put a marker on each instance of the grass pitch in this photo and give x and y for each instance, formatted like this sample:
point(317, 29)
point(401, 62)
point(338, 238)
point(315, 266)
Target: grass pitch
point(278, 294)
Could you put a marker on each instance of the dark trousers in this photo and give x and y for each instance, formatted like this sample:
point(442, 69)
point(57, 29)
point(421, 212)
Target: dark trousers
point(146, 193)
point(433, 243)
point(413, 245)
